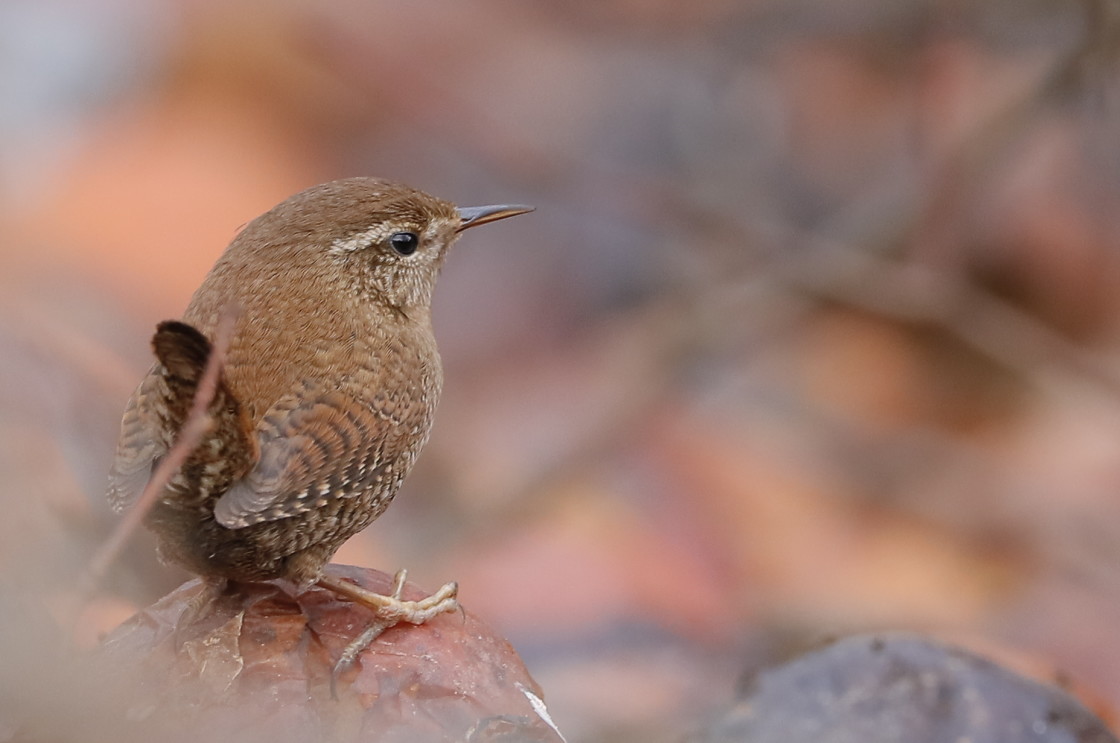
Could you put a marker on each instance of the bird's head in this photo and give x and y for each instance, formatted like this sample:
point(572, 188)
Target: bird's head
point(379, 241)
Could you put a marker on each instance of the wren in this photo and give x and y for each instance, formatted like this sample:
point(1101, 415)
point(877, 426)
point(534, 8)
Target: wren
point(325, 397)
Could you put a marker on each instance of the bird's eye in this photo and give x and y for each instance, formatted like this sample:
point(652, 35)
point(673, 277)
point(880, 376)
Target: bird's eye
point(404, 243)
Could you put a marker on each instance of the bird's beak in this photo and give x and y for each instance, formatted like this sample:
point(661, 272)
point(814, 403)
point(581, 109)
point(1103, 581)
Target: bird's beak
point(473, 216)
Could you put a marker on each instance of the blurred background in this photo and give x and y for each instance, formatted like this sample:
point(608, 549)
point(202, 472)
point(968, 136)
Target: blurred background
point(814, 329)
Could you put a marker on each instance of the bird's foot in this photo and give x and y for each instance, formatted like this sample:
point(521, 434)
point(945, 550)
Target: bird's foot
point(199, 605)
point(389, 611)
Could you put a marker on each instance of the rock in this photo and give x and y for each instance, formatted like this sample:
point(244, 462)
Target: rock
point(900, 688)
point(255, 664)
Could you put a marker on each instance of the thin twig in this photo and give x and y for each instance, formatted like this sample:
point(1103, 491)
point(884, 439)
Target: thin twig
point(197, 424)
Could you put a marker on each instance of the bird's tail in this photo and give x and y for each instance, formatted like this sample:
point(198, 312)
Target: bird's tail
point(227, 450)
point(182, 349)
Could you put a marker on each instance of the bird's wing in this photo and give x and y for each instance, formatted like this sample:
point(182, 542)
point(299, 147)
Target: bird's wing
point(138, 447)
point(314, 451)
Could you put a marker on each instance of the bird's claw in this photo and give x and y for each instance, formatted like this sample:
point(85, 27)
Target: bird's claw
point(389, 611)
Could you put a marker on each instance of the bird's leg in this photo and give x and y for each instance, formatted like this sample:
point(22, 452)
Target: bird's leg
point(200, 605)
point(388, 611)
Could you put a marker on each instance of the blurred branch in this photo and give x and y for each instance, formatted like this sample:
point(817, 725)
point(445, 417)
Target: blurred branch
point(197, 424)
point(915, 293)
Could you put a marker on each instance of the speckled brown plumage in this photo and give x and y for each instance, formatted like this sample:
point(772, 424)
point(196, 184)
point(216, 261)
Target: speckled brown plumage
point(328, 390)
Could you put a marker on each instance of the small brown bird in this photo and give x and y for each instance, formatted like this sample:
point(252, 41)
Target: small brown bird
point(326, 395)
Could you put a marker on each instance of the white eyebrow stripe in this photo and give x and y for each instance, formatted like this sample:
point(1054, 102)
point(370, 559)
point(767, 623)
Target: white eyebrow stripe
point(362, 240)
